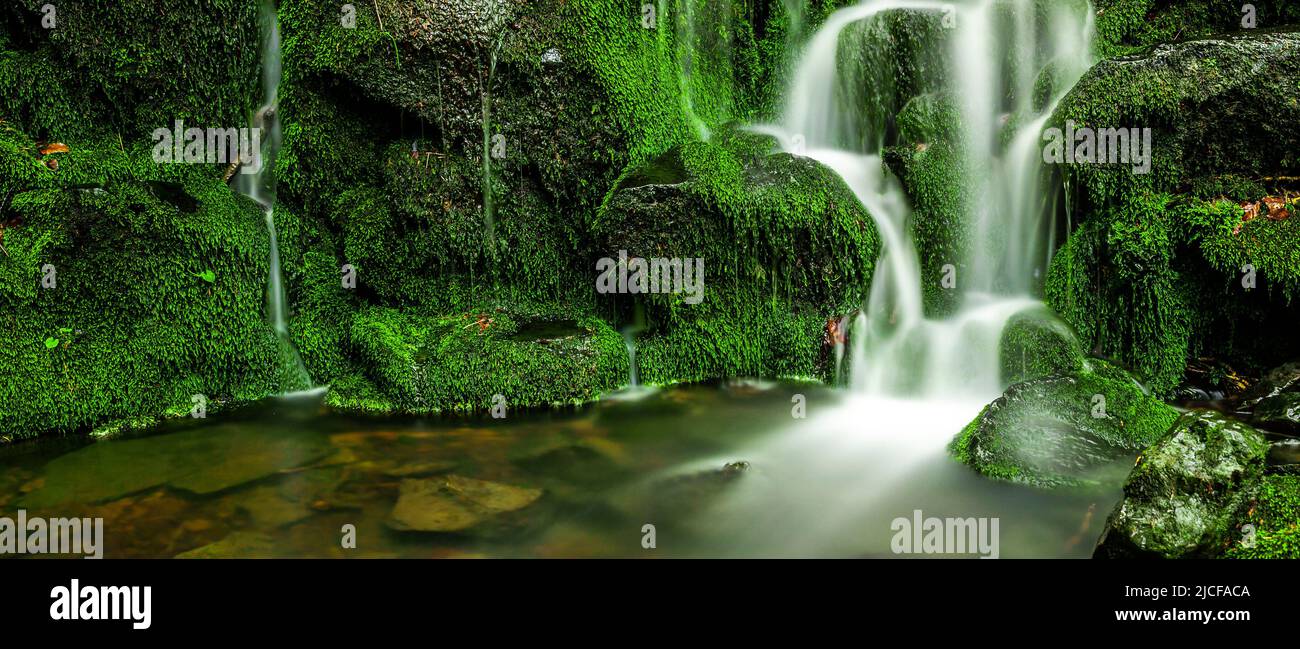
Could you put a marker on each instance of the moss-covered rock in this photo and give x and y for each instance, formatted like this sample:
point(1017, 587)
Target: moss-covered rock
point(784, 245)
point(1182, 498)
point(452, 151)
point(129, 288)
point(478, 361)
point(1162, 266)
point(930, 161)
point(1063, 430)
point(1128, 26)
point(1036, 344)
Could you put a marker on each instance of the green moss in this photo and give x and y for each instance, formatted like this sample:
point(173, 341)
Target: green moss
point(1114, 282)
point(1035, 345)
point(771, 343)
point(462, 363)
point(1275, 514)
point(110, 68)
point(784, 243)
point(1127, 26)
point(1064, 429)
point(137, 326)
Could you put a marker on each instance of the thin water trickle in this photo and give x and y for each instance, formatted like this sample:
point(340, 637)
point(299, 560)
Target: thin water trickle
point(260, 186)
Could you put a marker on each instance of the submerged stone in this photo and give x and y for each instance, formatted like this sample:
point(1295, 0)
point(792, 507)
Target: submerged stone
point(1063, 430)
point(1183, 496)
point(680, 496)
point(201, 461)
point(455, 503)
point(238, 545)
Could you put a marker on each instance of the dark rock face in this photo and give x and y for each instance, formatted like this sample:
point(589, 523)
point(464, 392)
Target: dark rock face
point(785, 245)
point(1285, 378)
point(1149, 275)
point(1187, 490)
point(1280, 413)
point(1062, 430)
point(1200, 97)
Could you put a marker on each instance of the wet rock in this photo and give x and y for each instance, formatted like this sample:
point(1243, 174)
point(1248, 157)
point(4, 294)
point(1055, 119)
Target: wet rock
point(1284, 457)
point(266, 507)
point(1063, 430)
point(455, 503)
point(201, 461)
point(418, 469)
point(1037, 344)
point(1279, 380)
point(238, 545)
point(680, 496)
point(479, 361)
point(1181, 499)
point(1279, 413)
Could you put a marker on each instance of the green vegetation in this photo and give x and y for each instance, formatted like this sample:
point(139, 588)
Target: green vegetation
point(1154, 271)
point(785, 246)
point(1275, 513)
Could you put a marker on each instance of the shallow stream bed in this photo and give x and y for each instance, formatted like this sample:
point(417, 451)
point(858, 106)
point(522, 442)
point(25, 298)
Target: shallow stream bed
point(716, 470)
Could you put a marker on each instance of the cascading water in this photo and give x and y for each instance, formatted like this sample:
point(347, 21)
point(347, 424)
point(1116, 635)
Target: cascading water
point(260, 186)
point(896, 350)
point(916, 381)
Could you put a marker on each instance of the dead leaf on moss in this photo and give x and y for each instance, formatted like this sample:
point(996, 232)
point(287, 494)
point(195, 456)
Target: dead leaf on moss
point(54, 147)
point(1277, 208)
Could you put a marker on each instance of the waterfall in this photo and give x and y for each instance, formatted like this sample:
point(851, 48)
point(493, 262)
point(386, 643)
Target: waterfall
point(260, 186)
point(897, 351)
point(629, 341)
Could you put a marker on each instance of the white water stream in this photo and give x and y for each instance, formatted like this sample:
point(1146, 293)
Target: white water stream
point(260, 186)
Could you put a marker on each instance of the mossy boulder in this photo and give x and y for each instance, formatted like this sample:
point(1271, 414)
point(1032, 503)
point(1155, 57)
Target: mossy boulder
point(785, 246)
point(1279, 380)
point(1036, 344)
point(1063, 430)
point(129, 288)
point(1128, 26)
point(929, 159)
point(1187, 489)
point(1163, 266)
point(1215, 106)
point(476, 361)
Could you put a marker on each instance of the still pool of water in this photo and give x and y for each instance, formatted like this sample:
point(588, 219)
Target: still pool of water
point(723, 471)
